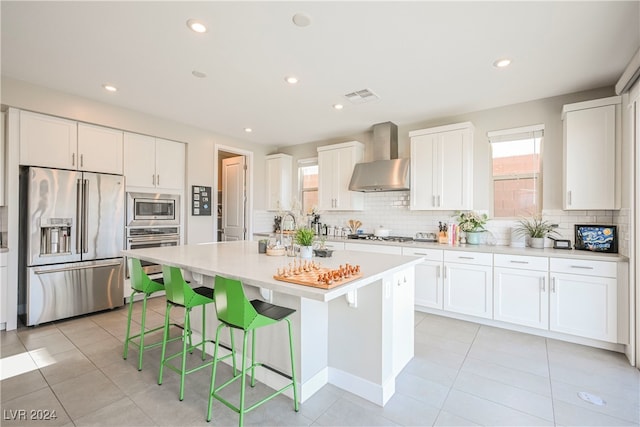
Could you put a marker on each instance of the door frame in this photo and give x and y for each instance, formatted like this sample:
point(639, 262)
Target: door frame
point(248, 217)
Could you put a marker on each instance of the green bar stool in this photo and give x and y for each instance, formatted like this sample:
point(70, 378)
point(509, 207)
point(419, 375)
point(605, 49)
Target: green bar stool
point(235, 311)
point(141, 284)
point(179, 293)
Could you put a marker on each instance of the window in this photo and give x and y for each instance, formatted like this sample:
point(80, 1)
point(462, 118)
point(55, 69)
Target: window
point(517, 171)
point(308, 184)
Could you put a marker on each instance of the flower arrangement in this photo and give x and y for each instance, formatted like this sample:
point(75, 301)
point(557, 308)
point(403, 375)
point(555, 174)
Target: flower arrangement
point(472, 221)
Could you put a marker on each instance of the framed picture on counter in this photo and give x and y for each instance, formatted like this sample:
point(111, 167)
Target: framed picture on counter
point(596, 238)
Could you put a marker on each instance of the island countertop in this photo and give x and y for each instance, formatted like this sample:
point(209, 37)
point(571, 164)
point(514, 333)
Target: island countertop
point(241, 260)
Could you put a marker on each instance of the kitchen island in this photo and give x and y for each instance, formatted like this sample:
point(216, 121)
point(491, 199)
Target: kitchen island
point(357, 336)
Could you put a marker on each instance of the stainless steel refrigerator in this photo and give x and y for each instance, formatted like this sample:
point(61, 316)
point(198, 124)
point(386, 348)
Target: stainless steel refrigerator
point(71, 236)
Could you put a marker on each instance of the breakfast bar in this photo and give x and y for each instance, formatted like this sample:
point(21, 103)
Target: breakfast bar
point(357, 336)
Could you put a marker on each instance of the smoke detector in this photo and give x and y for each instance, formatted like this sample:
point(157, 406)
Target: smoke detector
point(361, 96)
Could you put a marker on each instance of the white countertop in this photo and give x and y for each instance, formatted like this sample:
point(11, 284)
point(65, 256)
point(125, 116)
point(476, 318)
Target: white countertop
point(241, 260)
point(495, 249)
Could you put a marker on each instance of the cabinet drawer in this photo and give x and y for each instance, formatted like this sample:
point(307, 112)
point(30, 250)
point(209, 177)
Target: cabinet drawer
point(479, 258)
point(584, 267)
point(521, 262)
point(428, 254)
point(369, 247)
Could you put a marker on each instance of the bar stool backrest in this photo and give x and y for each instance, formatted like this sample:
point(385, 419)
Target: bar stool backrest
point(177, 290)
point(139, 279)
point(232, 306)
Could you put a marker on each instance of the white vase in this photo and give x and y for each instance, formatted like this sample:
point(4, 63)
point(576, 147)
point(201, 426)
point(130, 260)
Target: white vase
point(306, 251)
point(536, 242)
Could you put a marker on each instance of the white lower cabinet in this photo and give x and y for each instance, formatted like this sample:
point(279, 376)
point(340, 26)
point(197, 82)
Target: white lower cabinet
point(428, 277)
point(3, 289)
point(520, 290)
point(583, 298)
point(468, 283)
point(403, 318)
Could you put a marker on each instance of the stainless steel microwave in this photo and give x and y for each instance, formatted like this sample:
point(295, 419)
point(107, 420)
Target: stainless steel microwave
point(152, 209)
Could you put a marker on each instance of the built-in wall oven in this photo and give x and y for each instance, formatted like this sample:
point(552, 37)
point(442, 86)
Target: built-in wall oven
point(152, 209)
point(152, 237)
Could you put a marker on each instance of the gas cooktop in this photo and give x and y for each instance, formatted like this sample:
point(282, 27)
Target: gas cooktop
point(367, 236)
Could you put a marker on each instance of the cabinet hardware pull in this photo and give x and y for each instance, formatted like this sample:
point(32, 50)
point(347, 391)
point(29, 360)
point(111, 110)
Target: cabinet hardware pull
point(420, 253)
point(153, 179)
point(438, 272)
point(553, 285)
point(569, 197)
point(445, 272)
point(81, 160)
point(158, 179)
point(519, 262)
point(73, 159)
point(438, 201)
point(584, 267)
point(466, 257)
point(544, 286)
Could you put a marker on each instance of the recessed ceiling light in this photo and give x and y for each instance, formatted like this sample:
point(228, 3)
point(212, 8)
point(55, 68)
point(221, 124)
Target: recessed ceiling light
point(501, 63)
point(248, 130)
point(196, 26)
point(291, 80)
point(109, 88)
point(338, 106)
point(199, 74)
point(301, 19)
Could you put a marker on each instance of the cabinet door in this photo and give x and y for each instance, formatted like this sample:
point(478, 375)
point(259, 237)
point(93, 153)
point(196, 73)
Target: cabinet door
point(139, 160)
point(584, 306)
point(278, 182)
point(454, 163)
point(403, 315)
point(424, 175)
point(521, 297)
point(468, 289)
point(589, 155)
point(326, 161)
point(99, 149)
point(48, 141)
point(170, 164)
point(429, 287)
point(346, 159)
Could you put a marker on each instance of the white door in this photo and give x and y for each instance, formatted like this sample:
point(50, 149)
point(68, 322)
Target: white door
point(233, 198)
point(468, 289)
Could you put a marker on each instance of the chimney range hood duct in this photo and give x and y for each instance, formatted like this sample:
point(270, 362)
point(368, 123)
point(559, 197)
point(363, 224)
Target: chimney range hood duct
point(387, 172)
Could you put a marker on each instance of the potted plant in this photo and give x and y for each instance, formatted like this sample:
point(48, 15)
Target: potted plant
point(304, 237)
point(535, 229)
point(472, 223)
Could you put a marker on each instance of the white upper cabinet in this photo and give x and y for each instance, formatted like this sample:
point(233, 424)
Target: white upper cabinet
point(99, 149)
point(59, 143)
point(335, 167)
point(153, 163)
point(279, 182)
point(591, 152)
point(48, 141)
point(442, 168)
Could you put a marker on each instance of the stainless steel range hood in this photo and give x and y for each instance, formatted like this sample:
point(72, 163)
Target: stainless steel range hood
point(387, 172)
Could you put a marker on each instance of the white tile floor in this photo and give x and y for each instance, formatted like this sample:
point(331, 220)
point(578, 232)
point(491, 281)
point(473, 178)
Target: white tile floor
point(462, 374)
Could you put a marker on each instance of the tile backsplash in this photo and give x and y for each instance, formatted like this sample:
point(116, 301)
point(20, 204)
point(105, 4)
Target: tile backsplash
point(391, 210)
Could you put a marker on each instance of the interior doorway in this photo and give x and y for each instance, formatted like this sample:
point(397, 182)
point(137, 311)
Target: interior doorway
point(234, 196)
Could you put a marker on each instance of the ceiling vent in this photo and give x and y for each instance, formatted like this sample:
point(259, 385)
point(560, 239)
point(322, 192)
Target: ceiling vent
point(361, 96)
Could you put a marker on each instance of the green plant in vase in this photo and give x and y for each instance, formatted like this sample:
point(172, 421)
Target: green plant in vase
point(472, 223)
point(535, 229)
point(304, 237)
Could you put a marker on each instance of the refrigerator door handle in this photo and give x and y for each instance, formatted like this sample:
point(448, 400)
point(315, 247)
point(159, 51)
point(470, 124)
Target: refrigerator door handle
point(85, 215)
point(78, 224)
point(85, 267)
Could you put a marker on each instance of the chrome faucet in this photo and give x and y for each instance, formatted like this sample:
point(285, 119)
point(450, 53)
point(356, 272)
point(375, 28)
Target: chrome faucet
point(288, 213)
